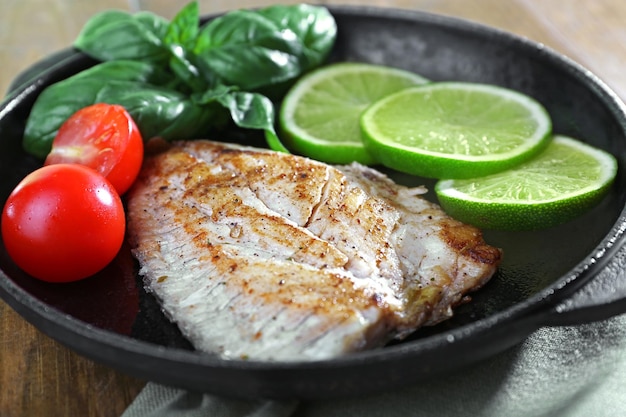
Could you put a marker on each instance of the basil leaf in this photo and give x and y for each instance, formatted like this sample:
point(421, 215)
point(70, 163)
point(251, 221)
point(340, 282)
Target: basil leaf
point(242, 48)
point(255, 49)
point(152, 23)
point(161, 112)
point(184, 28)
point(114, 35)
point(55, 104)
point(314, 27)
point(60, 100)
point(249, 110)
point(179, 38)
point(212, 95)
point(124, 70)
point(182, 65)
point(253, 111)
point(274, 142)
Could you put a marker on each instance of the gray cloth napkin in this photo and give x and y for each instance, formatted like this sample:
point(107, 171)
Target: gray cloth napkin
point(577, 371)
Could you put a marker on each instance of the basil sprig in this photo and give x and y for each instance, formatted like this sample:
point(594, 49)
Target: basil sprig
point(180, 79)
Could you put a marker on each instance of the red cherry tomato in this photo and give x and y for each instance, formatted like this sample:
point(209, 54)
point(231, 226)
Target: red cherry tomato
point(103, 137)
point(63, 222)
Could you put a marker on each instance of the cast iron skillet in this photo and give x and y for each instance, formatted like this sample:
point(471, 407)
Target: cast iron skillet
point(566, 275)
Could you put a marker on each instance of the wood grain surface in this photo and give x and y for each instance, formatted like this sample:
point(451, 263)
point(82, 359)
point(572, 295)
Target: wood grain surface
point(40, 377)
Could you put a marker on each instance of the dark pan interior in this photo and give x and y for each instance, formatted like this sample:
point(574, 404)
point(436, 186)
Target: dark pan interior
point(535, 263)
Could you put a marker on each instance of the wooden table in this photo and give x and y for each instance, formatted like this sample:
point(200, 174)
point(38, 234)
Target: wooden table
point(40, 377)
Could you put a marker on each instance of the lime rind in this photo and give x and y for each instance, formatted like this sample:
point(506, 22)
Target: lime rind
point(455, 129)
point(512, 217)
point(319, 116)
point(563, 182)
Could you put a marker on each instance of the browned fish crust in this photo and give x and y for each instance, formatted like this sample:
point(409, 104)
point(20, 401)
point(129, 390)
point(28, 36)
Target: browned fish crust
point(271, 256)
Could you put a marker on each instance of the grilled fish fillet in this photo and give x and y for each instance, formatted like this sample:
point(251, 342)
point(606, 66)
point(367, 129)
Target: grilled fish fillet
point(269, 256)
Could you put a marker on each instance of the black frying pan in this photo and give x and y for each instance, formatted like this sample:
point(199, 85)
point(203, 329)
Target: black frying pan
point(565, 275)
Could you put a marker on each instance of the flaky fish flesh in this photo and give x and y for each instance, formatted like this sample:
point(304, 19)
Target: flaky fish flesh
point(262, 255)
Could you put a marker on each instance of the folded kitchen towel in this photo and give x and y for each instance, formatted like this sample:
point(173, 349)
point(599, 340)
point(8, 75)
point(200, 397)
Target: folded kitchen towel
point(570, 371)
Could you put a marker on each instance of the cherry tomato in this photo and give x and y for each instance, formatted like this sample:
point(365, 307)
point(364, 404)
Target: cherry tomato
point(103, 137)
point(63, 222)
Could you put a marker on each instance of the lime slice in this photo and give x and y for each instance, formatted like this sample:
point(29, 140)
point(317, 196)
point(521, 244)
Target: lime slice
point(319, 116)
point(559, 184)
point(455, 129)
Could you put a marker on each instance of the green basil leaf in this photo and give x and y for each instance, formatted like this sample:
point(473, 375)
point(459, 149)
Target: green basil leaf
point(274, 142)
point(242, 48)
point(253, 111)
point(60, 100)
point(249, 110)
point(184, 28)
point(114, 35)
point(313, 26)
point(124, 70)
point(255, 49)
point(51, 109)
point(182, 66)
point(161, 112)
point(152, 23)
point(180, 38)
point(212, 95)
